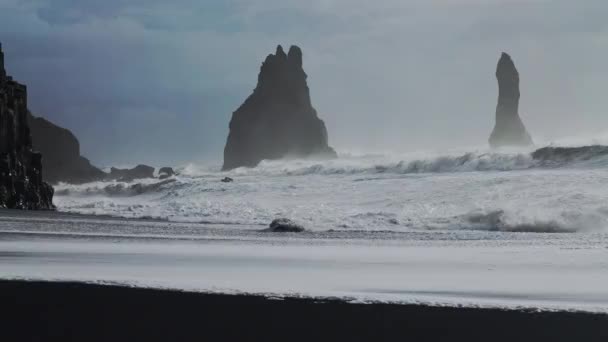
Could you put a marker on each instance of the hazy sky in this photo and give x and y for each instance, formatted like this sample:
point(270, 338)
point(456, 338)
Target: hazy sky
point(151, 80)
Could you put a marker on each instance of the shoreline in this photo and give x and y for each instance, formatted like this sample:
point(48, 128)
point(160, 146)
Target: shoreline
point(71, 311)
point(258, 228)
point(5, 212)
point(489, 270)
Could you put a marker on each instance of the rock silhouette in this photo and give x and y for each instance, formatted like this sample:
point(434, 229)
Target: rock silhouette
point(284, 225)
point(278, 119)
point(509, 129)
point(166, 172)
point(126, 175)
point(62, 161)
point(21, 184)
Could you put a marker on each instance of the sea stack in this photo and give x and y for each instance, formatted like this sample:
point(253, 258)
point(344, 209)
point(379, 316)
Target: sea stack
point(62, 161)
point(21, 184)
point(509, 129)
point(278, 119)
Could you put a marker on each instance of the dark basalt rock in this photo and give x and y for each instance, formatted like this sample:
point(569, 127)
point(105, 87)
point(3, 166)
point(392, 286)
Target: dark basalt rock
point(278, 119)
point(284, 225)
point(509, 129)
point(166, 172)
point(62, 161)
point(127, 175)
point(553, 154)
point(21, 184)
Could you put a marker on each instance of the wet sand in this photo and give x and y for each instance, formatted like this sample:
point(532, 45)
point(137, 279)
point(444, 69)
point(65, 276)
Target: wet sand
point(461, 268)
point(63, 311)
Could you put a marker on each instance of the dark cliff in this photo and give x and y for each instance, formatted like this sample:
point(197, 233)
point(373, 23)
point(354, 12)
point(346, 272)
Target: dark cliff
point(278, 119)
point(509, 129)
point(21, 184)
point(62, 161)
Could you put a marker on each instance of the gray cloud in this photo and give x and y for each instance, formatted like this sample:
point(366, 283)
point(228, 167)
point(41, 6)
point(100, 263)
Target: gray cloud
point(159, 80)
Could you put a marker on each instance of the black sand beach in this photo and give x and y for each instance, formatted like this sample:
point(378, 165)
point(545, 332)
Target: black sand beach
point(47, 311)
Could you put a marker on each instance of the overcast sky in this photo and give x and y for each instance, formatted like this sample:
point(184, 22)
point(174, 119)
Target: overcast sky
point(156, 81)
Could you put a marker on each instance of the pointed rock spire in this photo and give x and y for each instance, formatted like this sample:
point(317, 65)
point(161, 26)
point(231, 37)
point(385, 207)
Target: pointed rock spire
point(280, 54)
point(295, 56)
point(278, 119)
point(508, 80)
point(509, 129)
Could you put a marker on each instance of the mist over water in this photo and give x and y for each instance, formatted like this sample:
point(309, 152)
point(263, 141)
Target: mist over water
point(480, 190)
point(401, 77)
point(392, 75)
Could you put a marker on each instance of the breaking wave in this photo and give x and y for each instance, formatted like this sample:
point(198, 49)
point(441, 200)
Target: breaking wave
point(563, 221)
point(565, 155)
point(547, 157)
point(116, 188)
point(555, 189)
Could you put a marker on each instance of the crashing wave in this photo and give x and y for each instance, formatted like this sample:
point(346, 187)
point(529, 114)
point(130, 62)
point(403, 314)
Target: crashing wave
point(467, 162)
point(117, 189)
point(498, 220)
point(363, 193)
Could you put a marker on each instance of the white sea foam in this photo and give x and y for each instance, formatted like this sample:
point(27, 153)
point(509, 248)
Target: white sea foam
point(507, 191)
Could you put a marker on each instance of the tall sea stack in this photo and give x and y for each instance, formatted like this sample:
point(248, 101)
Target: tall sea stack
point(278, 119)
point(509, 129)
point(21, 185)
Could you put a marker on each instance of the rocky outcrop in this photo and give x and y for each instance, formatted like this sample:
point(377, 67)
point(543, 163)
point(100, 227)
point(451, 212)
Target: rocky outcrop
point(509, 129)
point(278, 119)
point(21, 184)
point(284, 225)
point(166, 172)
point(62, 161)
point(127, 175)
point(559, 155)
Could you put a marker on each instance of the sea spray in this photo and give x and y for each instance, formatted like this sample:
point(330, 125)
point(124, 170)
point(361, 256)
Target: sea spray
point(556, 191)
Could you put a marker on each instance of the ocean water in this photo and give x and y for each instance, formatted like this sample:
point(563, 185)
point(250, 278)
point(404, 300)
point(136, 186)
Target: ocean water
point(513, 191)
point(509, 229)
